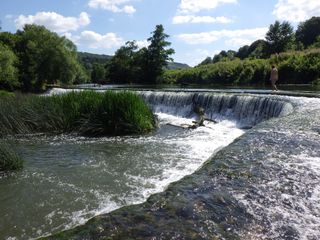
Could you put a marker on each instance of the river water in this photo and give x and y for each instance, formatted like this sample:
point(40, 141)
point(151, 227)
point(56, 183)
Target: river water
point(68, 179)
point(264, 185)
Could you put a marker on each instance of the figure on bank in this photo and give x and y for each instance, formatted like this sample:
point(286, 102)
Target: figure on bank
point(274, 76)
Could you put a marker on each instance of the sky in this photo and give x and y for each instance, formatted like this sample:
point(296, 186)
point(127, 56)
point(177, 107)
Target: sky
point(197, 28)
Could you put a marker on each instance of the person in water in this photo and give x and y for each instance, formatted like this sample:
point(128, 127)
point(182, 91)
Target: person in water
point(274, 76)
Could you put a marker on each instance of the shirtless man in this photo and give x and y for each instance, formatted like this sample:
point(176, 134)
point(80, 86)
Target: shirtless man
point(274, 77)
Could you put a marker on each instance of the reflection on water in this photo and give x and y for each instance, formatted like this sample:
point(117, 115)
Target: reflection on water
point(68, 179)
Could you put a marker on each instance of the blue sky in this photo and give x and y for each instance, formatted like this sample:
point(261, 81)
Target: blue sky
point(197, 28)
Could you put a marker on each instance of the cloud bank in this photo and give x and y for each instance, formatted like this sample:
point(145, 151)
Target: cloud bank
point(54, 21)
point(296, 10)
point(231, 36)
point(116, 6)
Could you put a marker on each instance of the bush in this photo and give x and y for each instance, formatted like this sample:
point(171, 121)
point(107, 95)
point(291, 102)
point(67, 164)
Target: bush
point(300, 67)
point(87, 113)
point(9, 160)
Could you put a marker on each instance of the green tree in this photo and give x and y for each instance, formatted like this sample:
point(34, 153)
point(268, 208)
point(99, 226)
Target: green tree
point(8, 70)
point(98, 74)
point(45, 58)
point(243, 52)
point(258, 49)
point(280, 37)
point(8, 39)
point(206, 61)
point(157, 55)
point(123, 67)
point(308, 31)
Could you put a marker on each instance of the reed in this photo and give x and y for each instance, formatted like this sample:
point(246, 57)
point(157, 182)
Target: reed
point(86, 113)
point(9, 160)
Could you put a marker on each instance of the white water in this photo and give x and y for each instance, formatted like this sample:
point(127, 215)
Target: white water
point(63, 185)
point(191, 149)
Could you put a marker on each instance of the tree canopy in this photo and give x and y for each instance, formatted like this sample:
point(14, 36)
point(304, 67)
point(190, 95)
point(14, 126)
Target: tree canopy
point(308, 31)
point(8, 69)
point(280, 36)
point(146, 65)
point(157, 54)
point(43, 58)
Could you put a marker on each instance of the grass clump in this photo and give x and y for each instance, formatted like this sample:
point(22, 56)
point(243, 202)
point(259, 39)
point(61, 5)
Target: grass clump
point(87, 113)
point(9, 160)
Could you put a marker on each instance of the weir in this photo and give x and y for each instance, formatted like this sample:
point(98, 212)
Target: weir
point(265, 185)
point(246, 110)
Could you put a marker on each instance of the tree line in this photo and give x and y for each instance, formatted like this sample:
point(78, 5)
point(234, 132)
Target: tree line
point(132, 64)
point(280, 37)
point(33, 58)
point(296, 54)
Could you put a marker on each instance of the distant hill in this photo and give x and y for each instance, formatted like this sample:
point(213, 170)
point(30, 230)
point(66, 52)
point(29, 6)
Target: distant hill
point(87, 59)
point(175, 65)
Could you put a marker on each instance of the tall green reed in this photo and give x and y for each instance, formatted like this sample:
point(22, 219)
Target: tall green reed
point(87, 113)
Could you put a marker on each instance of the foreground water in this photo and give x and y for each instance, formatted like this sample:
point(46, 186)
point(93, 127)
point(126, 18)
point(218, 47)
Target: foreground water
point(265, 185)
point(68, 179)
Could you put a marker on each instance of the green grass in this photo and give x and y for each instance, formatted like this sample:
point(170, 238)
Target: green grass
point(86, 113)
point(9, 160)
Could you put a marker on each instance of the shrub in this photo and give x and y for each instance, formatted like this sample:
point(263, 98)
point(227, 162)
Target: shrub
point(294, 67)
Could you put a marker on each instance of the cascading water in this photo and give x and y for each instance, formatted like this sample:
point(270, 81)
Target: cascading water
point(262, 186)
point(246, 110)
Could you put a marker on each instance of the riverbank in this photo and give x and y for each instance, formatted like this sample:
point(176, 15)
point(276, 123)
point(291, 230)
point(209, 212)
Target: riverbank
point(297, 67)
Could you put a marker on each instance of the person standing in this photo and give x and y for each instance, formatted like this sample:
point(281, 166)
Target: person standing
point(274, 76)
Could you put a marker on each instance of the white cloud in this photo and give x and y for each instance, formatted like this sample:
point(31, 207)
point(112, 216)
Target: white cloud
point(142, 43)
point(192, 6)
point(199, 19)
point(95, 40)
point(239, 42)
point(296, 10)
point(54, 21)
point(196, 56)
point(212, 36)
point(115, 6)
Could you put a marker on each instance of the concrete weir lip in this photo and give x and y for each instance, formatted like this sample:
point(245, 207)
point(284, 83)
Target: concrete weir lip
point(264, 185)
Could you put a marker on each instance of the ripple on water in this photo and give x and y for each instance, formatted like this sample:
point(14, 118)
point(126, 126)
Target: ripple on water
point(69, 179)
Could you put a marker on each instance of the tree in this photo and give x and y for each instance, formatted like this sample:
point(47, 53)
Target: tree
point(280, 37)
point(308, 31)
point(243, 52)
point(123, 67)
point(157, 55)
point(45, 58)
point(258, 49)
point(98, 73)
point(8, 39)
point(8, 70)
point(206, 61)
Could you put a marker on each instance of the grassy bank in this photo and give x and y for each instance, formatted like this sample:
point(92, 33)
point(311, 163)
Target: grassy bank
point(294, 68)
point(87, 113)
